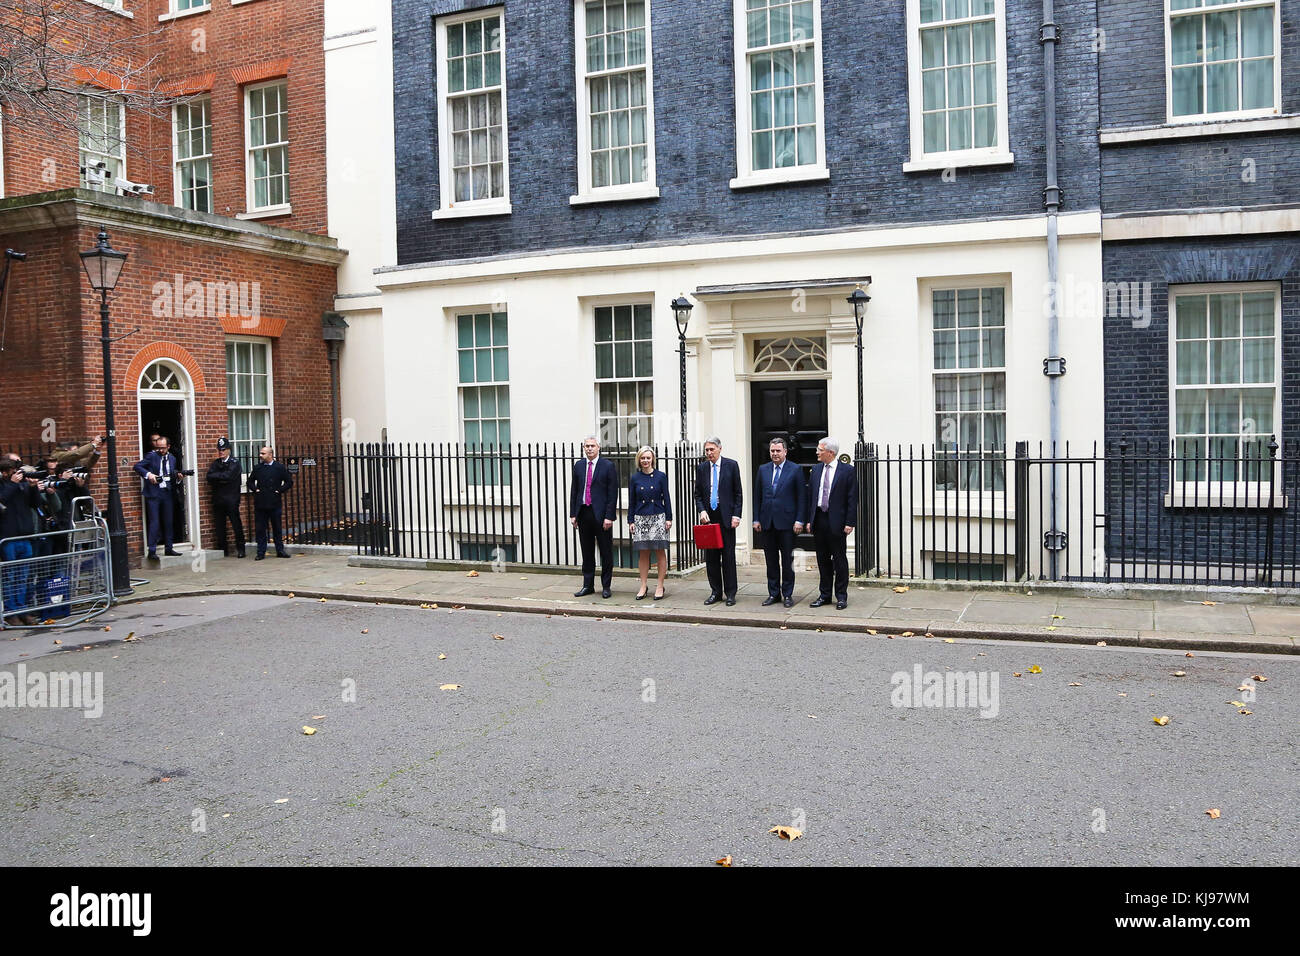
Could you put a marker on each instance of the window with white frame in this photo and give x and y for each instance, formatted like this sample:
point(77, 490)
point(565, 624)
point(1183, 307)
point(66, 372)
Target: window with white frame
point(970, 388)
point(266, 108)
point(625, 375)
point(482, 353)
point(615, 100)
point(1223, 58)
point(474, 169)
point(957, 81)
point(101, 138)
point(780, 135)
point(248, 398)
point(179, 6)
point(192, 123)
point(1225, 375)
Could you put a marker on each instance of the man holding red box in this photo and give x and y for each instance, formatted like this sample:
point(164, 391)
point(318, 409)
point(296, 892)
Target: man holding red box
point(719, 500)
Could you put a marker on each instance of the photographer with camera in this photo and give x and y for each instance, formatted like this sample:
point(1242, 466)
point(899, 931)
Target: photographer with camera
point(21, 495)
point(160, 474)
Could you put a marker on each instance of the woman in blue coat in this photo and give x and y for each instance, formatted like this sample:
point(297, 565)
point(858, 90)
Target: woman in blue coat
point(649, 516)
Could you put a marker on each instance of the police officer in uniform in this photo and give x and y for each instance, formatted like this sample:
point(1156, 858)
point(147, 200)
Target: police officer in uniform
point(224, 476)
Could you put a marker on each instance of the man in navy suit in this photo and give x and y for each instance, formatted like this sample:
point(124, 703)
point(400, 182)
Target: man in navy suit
point(778, 496)
point(593, 509)
point(830, 508)
point(160, 473)
point(719, 499)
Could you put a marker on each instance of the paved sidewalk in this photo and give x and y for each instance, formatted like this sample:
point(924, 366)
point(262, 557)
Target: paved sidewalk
point(879, 610)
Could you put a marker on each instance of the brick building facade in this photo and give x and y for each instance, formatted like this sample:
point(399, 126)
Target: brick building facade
point(230, 265)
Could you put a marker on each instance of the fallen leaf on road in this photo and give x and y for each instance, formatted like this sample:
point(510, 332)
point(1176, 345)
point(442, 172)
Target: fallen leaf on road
point(1184, 674)
point(308, 730)
point(472, 574)
point(929, 634)
point(890, 636)
point(164, 779)
point(948, 640)
point(107, 627)
point(1259, 677)
point(365, 630)
point(1074, 683)
point(290, 594)
point(498, 637)
point(1051, 627)
point(317, 716)
point(1161, 720)
point(811, 716)
point(1245, 711)
point(456, 607)
point(1189, 654)
point(907, 634)
point(1017, 674)
point(1236, 703)
point(57, 641)
point(981, 654)
point(1208, 603)
point(129, 637)
point(1213, 813)
point(224, 815)
point(902, 590)
point(361, 582)
point(783, 627)
point(1243, 686)
point(1101, 643)
point(442, 657)
point(1035, 669)
point(449, 687)
point(725, 861)
point(1058, 617)
point(870, 631)
point(1123, 695)
point(322, 600)
point(787, 833)
point(694, 624)
point(283, 800)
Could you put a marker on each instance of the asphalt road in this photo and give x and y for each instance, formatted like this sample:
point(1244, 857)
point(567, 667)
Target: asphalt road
point(591, 742)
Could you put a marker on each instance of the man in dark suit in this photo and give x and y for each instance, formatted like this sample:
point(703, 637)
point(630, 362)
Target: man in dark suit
point(224, 477)
point(831, 508)
point(268, 481)
point(719, 499)
point(160, 473)
point(778, 496)
point(593, 509)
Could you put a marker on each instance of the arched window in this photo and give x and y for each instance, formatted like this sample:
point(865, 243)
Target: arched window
point(790, 355)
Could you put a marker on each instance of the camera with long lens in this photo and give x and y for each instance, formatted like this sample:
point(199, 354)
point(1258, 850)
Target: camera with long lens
point(54, 479)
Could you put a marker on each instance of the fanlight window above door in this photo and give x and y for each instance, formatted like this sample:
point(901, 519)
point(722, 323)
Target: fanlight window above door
point(160, 377)
point(789, 355)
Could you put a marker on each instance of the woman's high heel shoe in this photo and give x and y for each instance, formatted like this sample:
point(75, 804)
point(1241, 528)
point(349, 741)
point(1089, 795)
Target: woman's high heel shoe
point(641, 595)
point(660, 597)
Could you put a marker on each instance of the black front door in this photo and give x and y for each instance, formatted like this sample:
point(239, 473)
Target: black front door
point(795, 411)
point(166, 417)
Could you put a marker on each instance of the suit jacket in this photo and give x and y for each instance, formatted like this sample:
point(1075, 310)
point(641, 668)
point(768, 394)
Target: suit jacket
point(778, 509)
point(153, 462)
point(223, 477)
point(268, 483)
point(843, 501)
point(604, 489)
point(730, 495)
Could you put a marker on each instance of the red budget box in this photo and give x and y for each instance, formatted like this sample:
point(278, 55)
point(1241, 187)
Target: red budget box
point(708, 536)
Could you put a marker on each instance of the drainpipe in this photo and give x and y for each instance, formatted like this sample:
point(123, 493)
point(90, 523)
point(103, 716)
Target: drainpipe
point(1054, 365)
point(334, 329)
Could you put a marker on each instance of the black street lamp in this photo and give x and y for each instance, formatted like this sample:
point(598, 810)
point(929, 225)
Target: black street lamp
point(682, 313)
point(859, 300)
point(103, 266)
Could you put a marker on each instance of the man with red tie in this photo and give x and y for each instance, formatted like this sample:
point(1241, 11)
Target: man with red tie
point(830, 509)
point(593, 509)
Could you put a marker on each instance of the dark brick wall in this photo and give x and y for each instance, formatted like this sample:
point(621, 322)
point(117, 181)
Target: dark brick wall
point(864, 57)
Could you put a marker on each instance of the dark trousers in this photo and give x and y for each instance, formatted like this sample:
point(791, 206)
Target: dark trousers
point(221, 510)
point(721, 565)
point(832, 557)
point(16, 578)
point(160, 521)
point(592, 532)
point(260, 518)
point(778, 548)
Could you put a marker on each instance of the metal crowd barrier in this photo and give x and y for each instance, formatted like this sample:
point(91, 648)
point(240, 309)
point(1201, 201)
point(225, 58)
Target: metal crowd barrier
point(66, 580)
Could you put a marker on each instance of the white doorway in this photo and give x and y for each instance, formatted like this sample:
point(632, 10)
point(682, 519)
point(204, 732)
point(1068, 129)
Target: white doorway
point(165, 405)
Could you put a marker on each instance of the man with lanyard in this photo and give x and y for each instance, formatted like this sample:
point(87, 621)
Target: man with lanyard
point(159, 471)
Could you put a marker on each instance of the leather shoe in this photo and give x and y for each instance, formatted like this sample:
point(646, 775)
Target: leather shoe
point(641, 596)
point(153, 556)
point(584, 591)
point(731, 602)
point(172, 553)
point(769, 601)
point(605, 593)
point(713, 598)
point(260, 557)
point(283, 554)
point(819, 602)
point(841, 605)
point(788, 602)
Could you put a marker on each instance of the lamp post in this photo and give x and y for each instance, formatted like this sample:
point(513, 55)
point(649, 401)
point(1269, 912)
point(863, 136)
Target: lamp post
point(682, 313)
point(103, 266)
point(859, 300)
